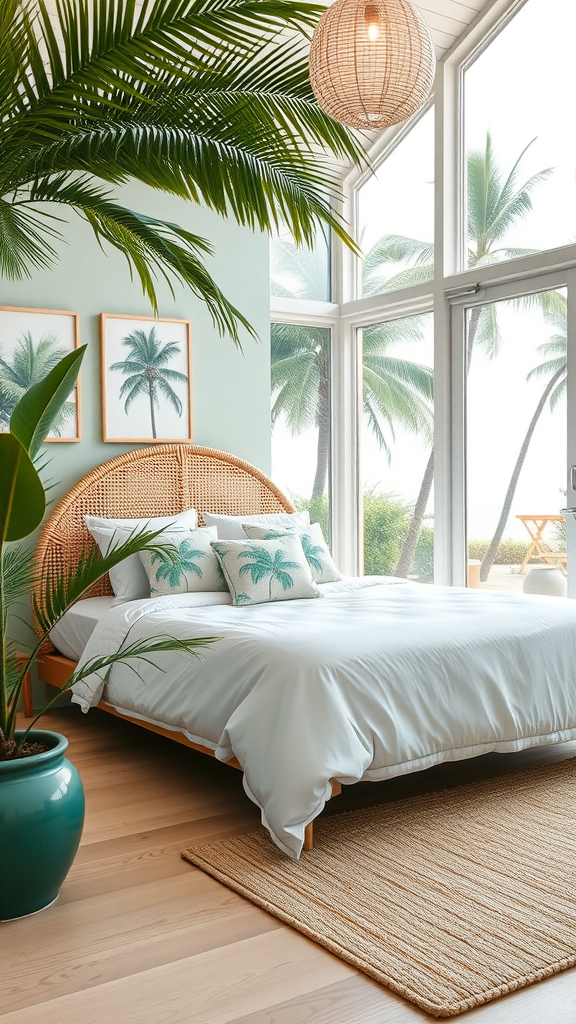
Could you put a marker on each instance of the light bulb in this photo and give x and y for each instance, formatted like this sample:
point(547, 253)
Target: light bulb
point(371, 20)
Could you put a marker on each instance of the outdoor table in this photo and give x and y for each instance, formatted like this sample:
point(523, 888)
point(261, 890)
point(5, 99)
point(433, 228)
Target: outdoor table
point(539, 547)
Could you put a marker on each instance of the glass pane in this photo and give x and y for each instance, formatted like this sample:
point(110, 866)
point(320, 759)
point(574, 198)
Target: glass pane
point(299, 273)
point(519, 99)
point(397, 458)
point(301, 417)
point(396, 214)
point(516, 444)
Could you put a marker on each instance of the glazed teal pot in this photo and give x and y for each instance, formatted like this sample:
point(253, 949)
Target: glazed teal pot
point(41, 818)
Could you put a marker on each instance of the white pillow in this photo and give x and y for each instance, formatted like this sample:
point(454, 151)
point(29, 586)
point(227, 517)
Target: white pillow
point(230, 527)
point(188, 565)
point(315, 548)
point(128, 578)
point(259, 571)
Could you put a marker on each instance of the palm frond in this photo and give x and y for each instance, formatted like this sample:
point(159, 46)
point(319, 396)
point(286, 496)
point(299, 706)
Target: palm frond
point(152, 248)
point(207, 99)
point(380, 282)
point(25, 242)
point(56, 598)
point(138, 651)
point(17, 574)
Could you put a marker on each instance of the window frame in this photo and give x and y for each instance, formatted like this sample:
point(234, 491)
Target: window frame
point(453, 284)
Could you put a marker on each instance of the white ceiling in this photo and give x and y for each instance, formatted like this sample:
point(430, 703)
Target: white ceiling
point(447, 19)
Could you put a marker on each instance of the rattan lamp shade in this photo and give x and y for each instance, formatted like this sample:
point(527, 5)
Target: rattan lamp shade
point(371, 62)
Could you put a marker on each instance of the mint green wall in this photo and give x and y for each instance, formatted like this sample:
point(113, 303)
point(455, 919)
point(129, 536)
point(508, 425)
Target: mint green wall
point(231, 389)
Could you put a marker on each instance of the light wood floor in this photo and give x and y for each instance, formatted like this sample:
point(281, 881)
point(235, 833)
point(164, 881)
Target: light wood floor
point(138, 935)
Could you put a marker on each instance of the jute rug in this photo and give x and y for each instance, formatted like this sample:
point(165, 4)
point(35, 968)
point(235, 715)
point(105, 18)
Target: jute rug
point(450, 899)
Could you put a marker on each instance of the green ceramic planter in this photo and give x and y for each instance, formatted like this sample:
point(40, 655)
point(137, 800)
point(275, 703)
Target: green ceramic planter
point(41, 818)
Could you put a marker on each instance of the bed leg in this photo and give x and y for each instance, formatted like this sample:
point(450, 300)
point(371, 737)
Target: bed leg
point(309, 830)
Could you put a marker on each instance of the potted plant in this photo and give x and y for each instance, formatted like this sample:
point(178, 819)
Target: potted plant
point(41, 796)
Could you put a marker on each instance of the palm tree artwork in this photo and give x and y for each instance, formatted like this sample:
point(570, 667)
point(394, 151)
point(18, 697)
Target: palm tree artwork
point(148, 374)
point(496, 201)
point(28, 364)
point(263, 564)
point(176, 561)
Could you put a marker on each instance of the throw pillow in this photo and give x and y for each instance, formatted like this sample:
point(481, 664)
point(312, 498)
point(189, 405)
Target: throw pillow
point(315, 548)
point(230, 527)
point(258, 571)
point(128, 578)
point(185, 565)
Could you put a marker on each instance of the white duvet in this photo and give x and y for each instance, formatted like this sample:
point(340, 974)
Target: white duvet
point(379, 678)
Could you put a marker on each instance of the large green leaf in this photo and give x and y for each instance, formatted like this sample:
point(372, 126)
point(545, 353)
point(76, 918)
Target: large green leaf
point(209, 100)
point(37, 410)
point(22, 498)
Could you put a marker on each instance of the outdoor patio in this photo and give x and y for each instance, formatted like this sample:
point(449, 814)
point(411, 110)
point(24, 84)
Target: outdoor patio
point(507, 577)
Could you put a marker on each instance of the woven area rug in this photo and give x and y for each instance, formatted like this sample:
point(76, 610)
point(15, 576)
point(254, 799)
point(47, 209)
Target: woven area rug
point(450, 899)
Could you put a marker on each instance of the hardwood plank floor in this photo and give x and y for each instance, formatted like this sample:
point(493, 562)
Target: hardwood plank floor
point(139, 935)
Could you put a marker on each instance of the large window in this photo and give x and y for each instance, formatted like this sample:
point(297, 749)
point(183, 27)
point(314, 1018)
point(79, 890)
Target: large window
point(519, 147)
point(516, 439)
point(297, 272)
point(396, 214)
point(396, 445)
point(460, 474)
point(301, 381)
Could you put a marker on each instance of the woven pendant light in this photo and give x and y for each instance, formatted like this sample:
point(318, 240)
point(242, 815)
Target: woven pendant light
point(371, 62)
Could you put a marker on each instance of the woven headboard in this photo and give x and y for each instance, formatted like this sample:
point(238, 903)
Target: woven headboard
point(156, 481)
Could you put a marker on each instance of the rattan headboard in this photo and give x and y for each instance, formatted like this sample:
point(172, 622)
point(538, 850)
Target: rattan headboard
point(155, 481)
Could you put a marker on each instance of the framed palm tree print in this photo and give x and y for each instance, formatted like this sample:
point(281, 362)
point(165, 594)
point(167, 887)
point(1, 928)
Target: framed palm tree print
point(32, 341)
point(146, 379)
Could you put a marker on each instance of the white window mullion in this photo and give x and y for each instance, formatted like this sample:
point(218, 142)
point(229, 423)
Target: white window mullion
point(447, 235)
point(345, 482)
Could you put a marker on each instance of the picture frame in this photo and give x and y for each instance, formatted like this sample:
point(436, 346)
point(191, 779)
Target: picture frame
point(146, 369)
point(32, 341)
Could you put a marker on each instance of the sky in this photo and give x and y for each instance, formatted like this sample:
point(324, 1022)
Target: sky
point(521, 88)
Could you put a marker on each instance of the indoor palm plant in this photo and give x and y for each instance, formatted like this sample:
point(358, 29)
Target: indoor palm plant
point(41, 799)
point(209, 100)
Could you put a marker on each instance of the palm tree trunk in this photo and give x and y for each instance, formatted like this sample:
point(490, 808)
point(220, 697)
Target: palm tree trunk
point(152, 413)
point(472, 329)
point(488, 560)
point(322, 448)
point(409, 548)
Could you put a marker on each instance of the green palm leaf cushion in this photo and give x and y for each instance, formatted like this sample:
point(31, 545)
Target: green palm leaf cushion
point(315, 548)
point(183, 563)
point(258, 571)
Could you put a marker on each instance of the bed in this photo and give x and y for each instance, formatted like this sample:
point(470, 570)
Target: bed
point(380, 678)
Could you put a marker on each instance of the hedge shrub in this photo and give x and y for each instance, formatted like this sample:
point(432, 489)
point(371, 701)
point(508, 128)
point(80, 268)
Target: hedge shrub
point(510, 552)
point(386, 522)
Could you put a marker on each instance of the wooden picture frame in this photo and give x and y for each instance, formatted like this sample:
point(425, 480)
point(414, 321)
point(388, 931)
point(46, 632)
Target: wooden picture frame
point(133, 410)
point(51, 334)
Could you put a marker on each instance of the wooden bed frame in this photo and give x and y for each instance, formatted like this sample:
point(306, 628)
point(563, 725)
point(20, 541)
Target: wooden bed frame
point(160, 480)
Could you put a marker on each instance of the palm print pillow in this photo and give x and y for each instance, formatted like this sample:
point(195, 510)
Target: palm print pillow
point(315, 548)
point(184, 563)
point(258, 571)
